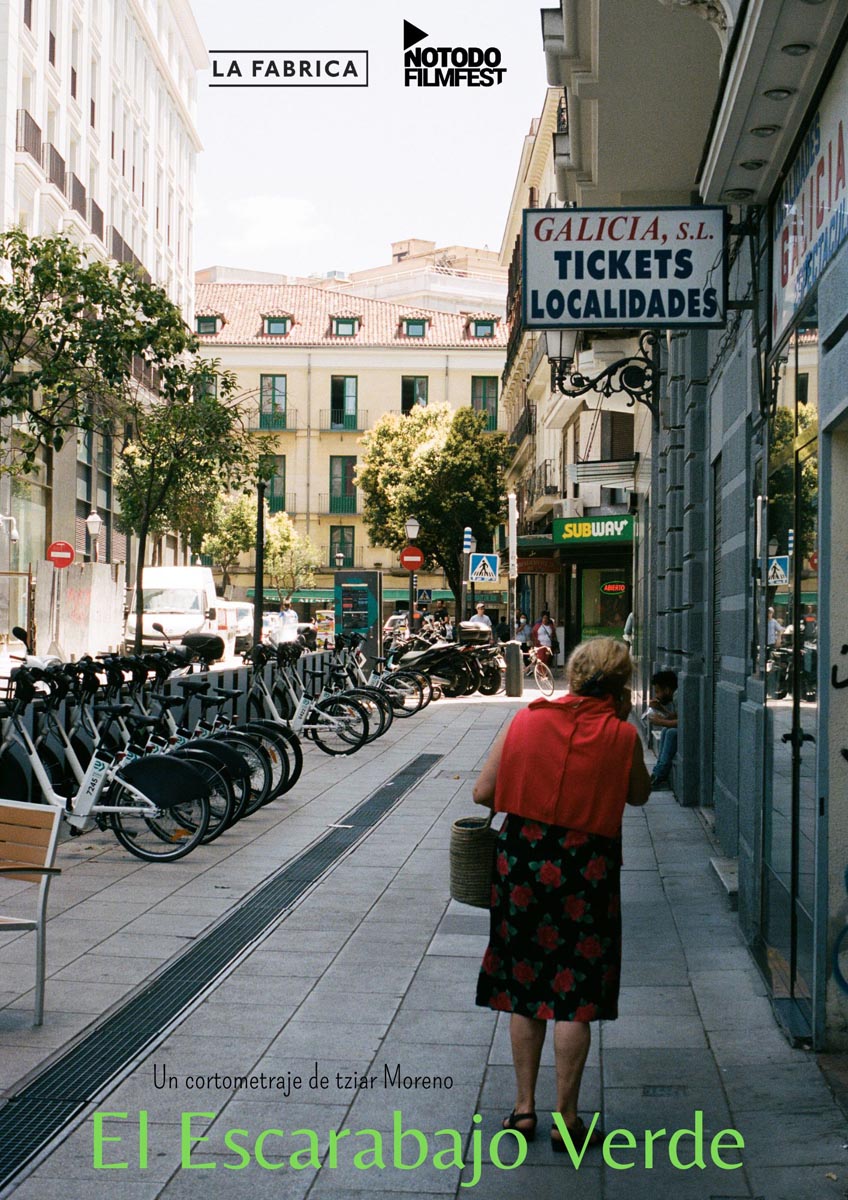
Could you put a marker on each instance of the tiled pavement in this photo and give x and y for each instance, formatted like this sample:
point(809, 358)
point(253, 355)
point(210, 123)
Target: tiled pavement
point(376, 968)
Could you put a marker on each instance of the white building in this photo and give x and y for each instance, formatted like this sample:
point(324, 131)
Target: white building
point(98, 141)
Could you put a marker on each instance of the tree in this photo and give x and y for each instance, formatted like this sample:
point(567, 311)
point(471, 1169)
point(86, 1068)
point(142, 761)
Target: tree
point(187, 433)
point(234, 533)
point(72, 334)
point(290, 557)
point(441, 467)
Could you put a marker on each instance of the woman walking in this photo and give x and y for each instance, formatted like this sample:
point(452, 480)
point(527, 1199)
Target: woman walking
point(562, 771)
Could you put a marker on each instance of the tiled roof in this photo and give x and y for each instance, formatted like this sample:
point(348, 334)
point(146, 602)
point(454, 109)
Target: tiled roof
point(312, 309)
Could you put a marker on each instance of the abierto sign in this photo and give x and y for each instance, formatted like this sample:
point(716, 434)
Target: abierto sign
point(643, 267)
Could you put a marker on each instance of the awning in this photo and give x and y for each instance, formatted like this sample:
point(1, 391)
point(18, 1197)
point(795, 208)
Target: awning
point(303, 596)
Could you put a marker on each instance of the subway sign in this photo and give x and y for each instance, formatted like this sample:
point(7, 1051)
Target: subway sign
point(585, 531)
point(636, 267)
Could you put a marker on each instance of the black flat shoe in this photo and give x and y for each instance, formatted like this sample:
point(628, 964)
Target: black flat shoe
point(511, 1122)
point(578, 1133)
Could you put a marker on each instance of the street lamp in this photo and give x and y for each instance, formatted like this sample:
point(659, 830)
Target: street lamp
point(14, 536)
point(412, 527)
point(94, 525)
point(339, 559)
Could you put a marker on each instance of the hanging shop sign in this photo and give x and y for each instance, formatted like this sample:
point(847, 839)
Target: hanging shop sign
point(538, 566)
point(810, 213)
point(644, 267)
point(583, 531)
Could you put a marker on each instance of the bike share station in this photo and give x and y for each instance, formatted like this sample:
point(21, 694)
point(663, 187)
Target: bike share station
point(359, 607)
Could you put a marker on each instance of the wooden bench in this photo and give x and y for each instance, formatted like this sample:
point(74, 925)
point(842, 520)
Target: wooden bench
point(28, 837)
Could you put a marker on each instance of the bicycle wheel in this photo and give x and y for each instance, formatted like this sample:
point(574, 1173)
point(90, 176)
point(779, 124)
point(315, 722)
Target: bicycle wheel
point(179, 824)
point(290, 748)
point(222, 804)
point(337, 725)
point(405, 693)
point(253, 752)
point(238, 771)
point(276, 750)
point(544, 678)
point(377, 706)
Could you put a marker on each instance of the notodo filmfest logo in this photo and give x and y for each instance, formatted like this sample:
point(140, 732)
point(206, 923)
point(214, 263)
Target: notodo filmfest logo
point(448, 66)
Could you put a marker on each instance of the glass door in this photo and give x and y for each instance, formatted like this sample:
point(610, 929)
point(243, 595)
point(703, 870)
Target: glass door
point(790, 649)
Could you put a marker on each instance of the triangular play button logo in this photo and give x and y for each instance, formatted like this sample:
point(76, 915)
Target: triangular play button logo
point(412, 34)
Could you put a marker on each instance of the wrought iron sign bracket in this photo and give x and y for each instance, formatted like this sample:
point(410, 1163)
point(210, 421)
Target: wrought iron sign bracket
point(636, 376)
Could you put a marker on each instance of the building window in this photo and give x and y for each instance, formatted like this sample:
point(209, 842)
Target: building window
point(342, 487)
point(206, 325)
point(341, 542)
point(277, 326)
point(343, 401)
point(483, 329)
point(345, 326)
point(616, 436)
point(276, 489)
point(28, 13)
point(413, 392)
point(484, 398)
point(415, 328)
point(272, 402)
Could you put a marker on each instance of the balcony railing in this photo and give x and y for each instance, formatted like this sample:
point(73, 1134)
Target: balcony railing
point(332, 420)
point(28, 135)
point(76, 195)
point(282, 502)
point(491, 415)
point(341, 505)
point(95, 219)
point(54, 166)
point(278, 420)
point(542, 483)
point(525, 426)
point(351, 559)
point(562, 113)
point(118, 248)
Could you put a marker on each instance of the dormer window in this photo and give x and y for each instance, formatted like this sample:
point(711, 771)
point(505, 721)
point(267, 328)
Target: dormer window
point(482, 329)
point(345, 326)
point(276, 326)
point(415, 327)
point(207, 324)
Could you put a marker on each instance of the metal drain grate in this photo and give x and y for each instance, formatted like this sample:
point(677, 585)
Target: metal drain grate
point(34, 1116)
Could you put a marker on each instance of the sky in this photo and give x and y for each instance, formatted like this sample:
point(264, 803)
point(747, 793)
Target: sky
point(305, 180)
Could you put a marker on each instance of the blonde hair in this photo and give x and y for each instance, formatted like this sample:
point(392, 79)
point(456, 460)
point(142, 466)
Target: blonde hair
point(602, 662)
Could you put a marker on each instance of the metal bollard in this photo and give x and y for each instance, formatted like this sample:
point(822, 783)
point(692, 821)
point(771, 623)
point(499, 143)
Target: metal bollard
point(514, 669)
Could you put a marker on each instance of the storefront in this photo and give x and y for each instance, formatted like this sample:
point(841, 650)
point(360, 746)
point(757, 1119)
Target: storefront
point(803, 607)
point(597, 567)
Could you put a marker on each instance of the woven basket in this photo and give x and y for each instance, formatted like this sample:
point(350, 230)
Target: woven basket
point(472, 853)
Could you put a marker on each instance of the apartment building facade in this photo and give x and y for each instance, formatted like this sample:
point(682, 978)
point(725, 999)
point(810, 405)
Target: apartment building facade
point(98, 142)
point(317, 369)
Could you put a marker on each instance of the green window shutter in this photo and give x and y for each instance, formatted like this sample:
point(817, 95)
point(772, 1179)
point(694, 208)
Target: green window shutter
point(484, 398)
point(342, 488)
point(272, 402)
point(342, 542)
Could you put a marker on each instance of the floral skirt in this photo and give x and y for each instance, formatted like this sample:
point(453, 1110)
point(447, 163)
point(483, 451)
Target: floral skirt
point(554, 948)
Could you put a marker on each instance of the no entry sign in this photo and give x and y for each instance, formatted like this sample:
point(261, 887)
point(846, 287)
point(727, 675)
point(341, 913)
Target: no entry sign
point(61, 554)
point(412, 558)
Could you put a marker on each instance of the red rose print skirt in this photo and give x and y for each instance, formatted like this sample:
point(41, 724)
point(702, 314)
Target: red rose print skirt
point(555, 940)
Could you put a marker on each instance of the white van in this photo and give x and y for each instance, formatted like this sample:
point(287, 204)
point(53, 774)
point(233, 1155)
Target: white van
point(182, 600)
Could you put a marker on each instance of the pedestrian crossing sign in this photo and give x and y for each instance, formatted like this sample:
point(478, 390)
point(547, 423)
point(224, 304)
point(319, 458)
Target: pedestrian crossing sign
point(484, 568)
point(778, 571)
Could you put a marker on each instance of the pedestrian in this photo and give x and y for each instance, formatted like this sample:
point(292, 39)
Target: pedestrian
point(545, 638)
point(523, 631)
point(502, 630)
point(774, 631)
point(288, 622)
point(440, 612)
point(481, 620)
point(662, 714)
point(562, 771)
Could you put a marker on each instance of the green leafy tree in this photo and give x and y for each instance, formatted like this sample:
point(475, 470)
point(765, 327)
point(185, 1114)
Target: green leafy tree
point(72, 334)
point(290, 557)
point(442, 467)
point(176, 440)
point(234, 533)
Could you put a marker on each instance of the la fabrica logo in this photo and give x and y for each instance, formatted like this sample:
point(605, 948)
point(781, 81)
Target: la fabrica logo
point(448, 66)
